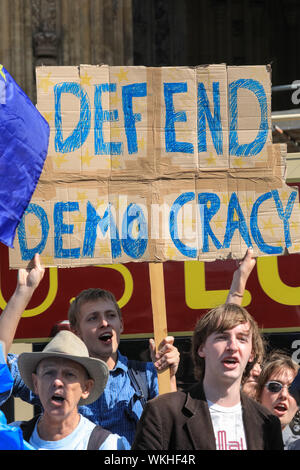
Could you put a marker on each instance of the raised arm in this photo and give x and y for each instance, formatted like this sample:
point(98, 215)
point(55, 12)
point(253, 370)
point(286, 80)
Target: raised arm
point(240, 278)
point(28, 280)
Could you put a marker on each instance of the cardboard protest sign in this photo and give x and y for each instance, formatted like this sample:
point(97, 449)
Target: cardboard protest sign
point(157, 164)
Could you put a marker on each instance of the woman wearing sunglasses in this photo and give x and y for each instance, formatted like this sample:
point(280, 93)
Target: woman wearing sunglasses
point(274, 391)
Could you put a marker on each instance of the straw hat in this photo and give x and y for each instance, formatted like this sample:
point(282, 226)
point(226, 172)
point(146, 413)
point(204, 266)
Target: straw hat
point(67, 345)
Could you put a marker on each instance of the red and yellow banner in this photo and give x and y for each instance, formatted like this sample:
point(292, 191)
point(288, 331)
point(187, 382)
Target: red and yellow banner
point(191, 287)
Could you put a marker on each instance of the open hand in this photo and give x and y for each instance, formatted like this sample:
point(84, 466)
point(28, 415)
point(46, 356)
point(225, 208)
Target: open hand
point(166, 356)
point(32, 276)
point(247, 264)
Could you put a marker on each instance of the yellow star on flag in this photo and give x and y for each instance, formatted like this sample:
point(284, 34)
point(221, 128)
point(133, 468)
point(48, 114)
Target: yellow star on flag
point(78, 218)
point(115, 163)
point(284, 195)
point(239, 162)
point(100, 203)
point(114, 100)
point(225, 198)
point(211, 160)
point(87, 158)
point(46, 259)
point(2, 73)
point(219, 223)
point(269, 225)
point(34, 230)
point(48, 116)
point(170, 252)
point(115, 132)
point(235, 217)
point(45, 83)
point(141, 143)
point(59, 160)
point(122, 75)
point(85, 79)
point(81, 196)
point(295, 226)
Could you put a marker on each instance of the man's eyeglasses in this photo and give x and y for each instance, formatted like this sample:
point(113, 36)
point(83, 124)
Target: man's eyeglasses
point(275, 387)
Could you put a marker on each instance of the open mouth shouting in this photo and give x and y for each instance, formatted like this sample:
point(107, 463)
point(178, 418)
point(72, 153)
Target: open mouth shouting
point(106, 338)
point(230, 362)
point(280, 409)
point(57, 399)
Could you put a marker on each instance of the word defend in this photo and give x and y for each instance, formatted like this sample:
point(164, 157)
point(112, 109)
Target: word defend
point(157, 164)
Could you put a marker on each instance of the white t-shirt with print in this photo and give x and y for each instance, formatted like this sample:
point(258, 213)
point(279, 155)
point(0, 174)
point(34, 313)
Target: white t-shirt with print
point(228, 426)
point(77, 440)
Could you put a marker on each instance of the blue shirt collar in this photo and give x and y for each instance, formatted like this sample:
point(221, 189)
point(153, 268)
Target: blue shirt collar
point(122, 363)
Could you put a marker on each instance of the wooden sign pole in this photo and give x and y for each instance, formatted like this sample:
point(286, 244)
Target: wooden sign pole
point(159, 317)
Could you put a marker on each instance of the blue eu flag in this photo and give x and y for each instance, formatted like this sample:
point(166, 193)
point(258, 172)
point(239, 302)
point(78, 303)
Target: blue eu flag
point(11, 437)
point(24, 138)
point(6, 380)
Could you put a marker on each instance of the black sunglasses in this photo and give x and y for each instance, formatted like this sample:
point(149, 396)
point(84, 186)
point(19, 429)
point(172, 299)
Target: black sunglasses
point(275, 387)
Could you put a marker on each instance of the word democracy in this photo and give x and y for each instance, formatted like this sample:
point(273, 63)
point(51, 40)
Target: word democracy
point(132, 233)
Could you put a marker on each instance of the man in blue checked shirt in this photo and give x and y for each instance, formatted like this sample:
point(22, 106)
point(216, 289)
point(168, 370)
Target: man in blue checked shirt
point(96, 318)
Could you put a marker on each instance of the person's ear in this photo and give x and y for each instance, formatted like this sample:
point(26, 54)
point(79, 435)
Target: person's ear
point(201, 352)
point(76, 330)
point(89, 383)
point(34, 381)
point(252, 356)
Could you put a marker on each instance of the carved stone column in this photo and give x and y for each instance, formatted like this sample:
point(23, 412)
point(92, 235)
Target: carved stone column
point(63, 32)
point(96, 31)
point(160, 31)
point(45, 31)
point(16, 42)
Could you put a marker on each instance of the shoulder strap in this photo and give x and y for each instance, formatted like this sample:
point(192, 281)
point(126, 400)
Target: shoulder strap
point(137, 374)
point(27, 427)
point(97, 437)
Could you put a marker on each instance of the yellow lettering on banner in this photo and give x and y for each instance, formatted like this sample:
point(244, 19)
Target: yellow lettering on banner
point(128, 281)
point(272, 285)
point(32, 312)
point(196, 295)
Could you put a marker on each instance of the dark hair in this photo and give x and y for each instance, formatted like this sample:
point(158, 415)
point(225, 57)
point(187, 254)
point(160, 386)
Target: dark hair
point(89, 295)
point(221, 318)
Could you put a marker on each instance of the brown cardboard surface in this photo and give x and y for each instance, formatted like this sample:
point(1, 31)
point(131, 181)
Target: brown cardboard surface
point(157, 164)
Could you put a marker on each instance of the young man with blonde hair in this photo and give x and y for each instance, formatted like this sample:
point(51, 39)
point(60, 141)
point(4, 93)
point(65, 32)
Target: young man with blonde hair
point(214, 414)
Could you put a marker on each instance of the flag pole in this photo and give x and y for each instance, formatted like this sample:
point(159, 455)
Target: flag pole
point(157, 286)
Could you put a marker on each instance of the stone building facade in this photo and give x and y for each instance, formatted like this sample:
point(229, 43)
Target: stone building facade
point(63, 32)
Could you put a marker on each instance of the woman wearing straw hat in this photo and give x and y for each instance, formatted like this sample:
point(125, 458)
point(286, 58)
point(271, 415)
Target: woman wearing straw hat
point(64, 377)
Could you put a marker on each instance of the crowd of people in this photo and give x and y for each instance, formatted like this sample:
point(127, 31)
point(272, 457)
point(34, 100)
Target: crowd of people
point(92, 397)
